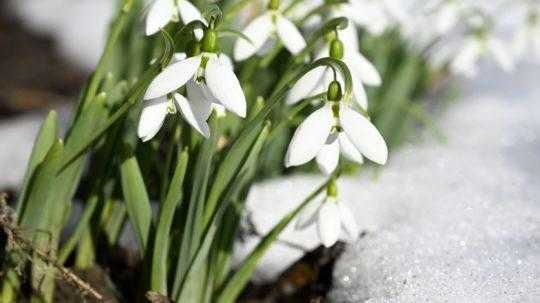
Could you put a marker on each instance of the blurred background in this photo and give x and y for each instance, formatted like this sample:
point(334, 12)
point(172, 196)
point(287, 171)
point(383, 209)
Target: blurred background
point(454, 217)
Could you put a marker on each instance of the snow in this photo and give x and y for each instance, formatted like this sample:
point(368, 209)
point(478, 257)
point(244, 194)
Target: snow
point(464, 224)
point(79, 27)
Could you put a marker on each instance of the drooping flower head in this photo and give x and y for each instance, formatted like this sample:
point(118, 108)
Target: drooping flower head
point(331, 216)
point(162, 12)
point(333, 129)
point(262, 28)
point(209, 79)
point(362, 72)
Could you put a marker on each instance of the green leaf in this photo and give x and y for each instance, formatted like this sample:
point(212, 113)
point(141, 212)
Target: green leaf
point(392, 110)
point(136, 199)
point(240, 188)
point(161, 244)
point(238, 281)
point(46, 137)
point(200, 260)
point(193, 227)
point(39, 211)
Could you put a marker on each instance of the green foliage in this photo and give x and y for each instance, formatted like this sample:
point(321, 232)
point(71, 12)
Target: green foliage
point(198, 185)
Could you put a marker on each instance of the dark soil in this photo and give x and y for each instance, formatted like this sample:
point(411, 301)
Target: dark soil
point(32, 74)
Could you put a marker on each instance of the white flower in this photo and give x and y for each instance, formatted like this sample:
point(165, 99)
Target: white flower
point(260, 30)
point(331, 216)
point(164, 11)
point(314, 82)
point(323, 136)
point(473, 48)
point(214, 84)
point(374, 15)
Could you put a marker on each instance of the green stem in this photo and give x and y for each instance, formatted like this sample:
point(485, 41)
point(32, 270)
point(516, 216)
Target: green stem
point(80, 229)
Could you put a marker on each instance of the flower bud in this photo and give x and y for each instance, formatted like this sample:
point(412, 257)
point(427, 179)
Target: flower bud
point(336, 49)
point(273, 4)
point(210, 41)
point(334, 92)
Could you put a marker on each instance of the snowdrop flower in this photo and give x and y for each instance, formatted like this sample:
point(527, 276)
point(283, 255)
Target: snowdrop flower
point(333, 129)
point(374, 15)
point(164, 11)
point(331, 216)
point(480, 43)
point(263, 27)
point(209, 80)
point(362, 72)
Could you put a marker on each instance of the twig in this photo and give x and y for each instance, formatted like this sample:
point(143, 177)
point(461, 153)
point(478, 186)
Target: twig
point(15, 237)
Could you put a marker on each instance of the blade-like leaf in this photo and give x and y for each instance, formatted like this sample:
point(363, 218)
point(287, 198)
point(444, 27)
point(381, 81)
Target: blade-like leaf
point(200, 260)
point(193, 227)
point(136, 199)
point(238, 281)
point(166, 214)
point(44, 141)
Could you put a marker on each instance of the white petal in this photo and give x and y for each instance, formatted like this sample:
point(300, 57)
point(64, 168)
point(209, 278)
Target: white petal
point(172, 77)
point(160, 14)
point(198, 93)
point(309, 85)
point(328, 156)
point(226, 60)
point(500, 54)
point(329, 223)
point(348, 149)
point(362, 68)
point(309, 214)
point(363, 135)
point(224, 85)
point(359, 92)
point(309, 137)
point(188, 12)
point(152, 117)
point(177, 57)
point(446, 18)
point(290, 35)
point(347, 221)
point(465, 61)
point(195, 114)
point(349, 37)
point(258, 32)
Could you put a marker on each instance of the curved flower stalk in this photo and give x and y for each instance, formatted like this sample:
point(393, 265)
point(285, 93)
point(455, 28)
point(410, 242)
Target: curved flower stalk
point(331, 216)
point(333, 129)
point(362, 72)
point(162, 12)
point(210, 81)
point(261, 29)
